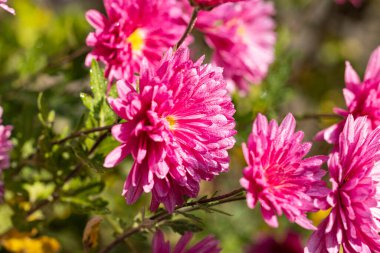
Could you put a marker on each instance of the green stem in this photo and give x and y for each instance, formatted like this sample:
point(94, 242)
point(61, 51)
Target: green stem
point(187, 207)
point(81, 133)
point(73, 173)
point(189, 28)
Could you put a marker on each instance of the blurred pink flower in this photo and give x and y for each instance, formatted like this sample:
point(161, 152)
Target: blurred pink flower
point(362, 98)
point(3, 4)
point(211, 3)
point(5, 148)
point(179, 127)
point(242, 36)
point(5, 143)
point(278, 177)
point(134, 30)
point(354, 221)
point(356, 3)
point(291, 244)
point(207, 245)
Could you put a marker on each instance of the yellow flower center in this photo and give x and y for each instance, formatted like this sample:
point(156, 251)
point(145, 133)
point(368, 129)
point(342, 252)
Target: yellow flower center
point(241, 31)
point(136, 39)
point(319, 216)
point(172, 122)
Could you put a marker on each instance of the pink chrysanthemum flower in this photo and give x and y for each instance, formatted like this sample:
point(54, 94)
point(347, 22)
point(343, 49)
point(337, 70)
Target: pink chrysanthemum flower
point(3, 4)
point(134, 30)
point(5, 148)
point(354, 220)
point(5, 143)
point(356, 3)
point(242, 36)
point(207, 245)
point(362, 98)
point(278, 176)
point(292, 243)
point(211, 3)
point(179, 127)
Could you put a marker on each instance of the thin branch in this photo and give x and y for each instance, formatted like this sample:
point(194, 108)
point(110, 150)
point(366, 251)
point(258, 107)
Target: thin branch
point(200, 206)
point(204, 201)
point(40, 205)
point(72, 174)
point(121, 239)
point(189, 28)
point(155, 219)
point(68, 58)
point(229, 200)
point(81, 133)
point(221, 197)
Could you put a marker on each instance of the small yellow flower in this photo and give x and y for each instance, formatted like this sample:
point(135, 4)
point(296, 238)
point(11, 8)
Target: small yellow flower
point(17, 242)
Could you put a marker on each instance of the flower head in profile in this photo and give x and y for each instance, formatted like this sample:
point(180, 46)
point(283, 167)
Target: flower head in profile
point(292, 243)
point(362, 98)
point(134, 30)
point(5, 148)
point(211, 3)
point(354, 220)
point(179, 127)
point(278, 176)
point(242, 36)
point(207, 245)
point(3, 4)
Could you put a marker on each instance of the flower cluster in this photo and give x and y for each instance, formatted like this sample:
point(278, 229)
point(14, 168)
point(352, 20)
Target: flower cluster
point(242, 36)
point(5, 148)
point(207, 245)
point(3, 4)
point(133, 31)
point(278, 176)
point(353, 222)
point(177, 122)
point(362, 98)
point(179, 127)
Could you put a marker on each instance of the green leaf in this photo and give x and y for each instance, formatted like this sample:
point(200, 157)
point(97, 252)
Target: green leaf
point(219, 211)
point(45, 116)
point(191, 217)
point(6, 218)
point(84, 195)
point(82, 155)
point(79, 186)
point(42, 108)
point(83, 205)
point(39, 190)
point(98, 82)
point(100, 111)
point(87, 100)
point(182, 226)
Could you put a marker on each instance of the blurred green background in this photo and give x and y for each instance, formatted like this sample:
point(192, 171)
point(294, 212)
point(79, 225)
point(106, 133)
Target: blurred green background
point(42, 49)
